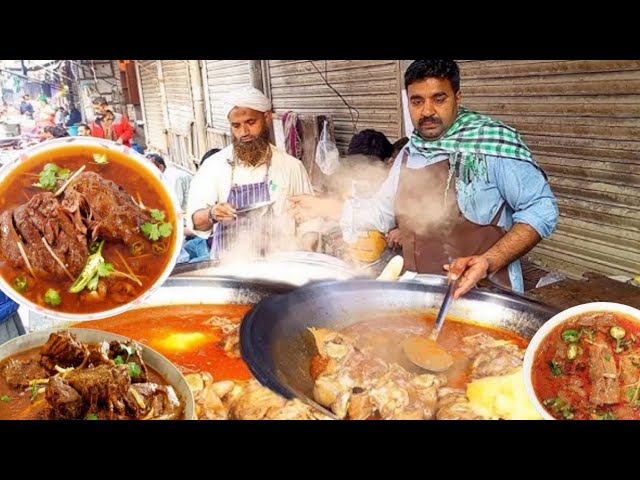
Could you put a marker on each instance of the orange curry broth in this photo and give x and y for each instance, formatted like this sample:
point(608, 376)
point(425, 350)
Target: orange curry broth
point(17, 189)
point(151, 325)
point(573, 376)
point(385, 334)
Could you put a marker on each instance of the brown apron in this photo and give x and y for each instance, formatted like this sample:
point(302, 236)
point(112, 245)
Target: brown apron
point(434, 230)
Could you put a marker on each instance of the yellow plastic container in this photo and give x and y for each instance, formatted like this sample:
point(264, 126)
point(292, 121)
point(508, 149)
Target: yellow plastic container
point(369, 246)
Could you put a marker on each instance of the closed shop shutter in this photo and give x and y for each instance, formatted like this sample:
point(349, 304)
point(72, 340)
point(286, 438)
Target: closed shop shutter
point(179, 99)
point(221, 76)
point(372, 87)
point(581, 118)
point(152, 104)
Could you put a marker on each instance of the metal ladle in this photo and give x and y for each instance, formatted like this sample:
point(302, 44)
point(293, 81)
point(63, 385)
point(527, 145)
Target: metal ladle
point(425, 352)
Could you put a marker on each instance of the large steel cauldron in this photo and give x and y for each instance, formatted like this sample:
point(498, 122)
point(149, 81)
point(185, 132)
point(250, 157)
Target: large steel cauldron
point(278, 348)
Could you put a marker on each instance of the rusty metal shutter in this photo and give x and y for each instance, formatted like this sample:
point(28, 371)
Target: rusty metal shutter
point(152, 105)
point(221, 76)
point(581, 118)
point(179, 99)
point(370, 86)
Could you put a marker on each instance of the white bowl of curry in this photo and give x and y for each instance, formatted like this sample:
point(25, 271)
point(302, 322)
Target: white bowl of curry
point(584, 364)
point(88, 228)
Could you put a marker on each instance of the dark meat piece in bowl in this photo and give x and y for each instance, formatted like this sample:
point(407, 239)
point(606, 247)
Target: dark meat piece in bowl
point(18, 373)
point(103, 385)
point(108, 209)
point(66, 402)
point(63, 349)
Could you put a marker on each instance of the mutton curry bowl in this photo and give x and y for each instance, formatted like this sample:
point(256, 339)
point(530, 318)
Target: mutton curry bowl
point(87, 228)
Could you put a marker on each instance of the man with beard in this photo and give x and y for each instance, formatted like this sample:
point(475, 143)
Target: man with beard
point(465, 192)
point(110, 125)
point(249, 171)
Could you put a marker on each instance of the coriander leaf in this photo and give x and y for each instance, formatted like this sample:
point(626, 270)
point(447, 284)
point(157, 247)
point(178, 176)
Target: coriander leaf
point(52, 297)
point(165, 229)
point(91, 416)
point(150, 230)
point(5, 398)
point(134, 369)
point(556, 367)
point(100, 158)
point(128, 348)
point(92, 284)
point(157, 214)
point(605, 416)
point(34, 392)
point(49, 176)
point(105, 269)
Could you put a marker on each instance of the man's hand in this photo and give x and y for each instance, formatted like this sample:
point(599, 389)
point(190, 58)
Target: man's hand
point(306, 207)
point(310, 242)
point(223, 212)
point(469, 271)
point(394, 238)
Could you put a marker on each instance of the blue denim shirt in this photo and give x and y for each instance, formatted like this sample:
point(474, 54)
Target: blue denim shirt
point(520, 184)
point(7, 306)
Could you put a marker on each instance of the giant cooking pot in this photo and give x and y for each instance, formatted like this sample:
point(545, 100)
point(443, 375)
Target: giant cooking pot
point(278, 348)
point(194, 291)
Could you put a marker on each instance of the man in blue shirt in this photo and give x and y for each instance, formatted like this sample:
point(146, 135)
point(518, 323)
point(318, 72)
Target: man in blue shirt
point(465, 192)
point(25, 106)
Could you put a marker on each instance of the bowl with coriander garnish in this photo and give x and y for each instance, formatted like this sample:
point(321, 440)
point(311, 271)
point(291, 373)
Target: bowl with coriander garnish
point(88, 228)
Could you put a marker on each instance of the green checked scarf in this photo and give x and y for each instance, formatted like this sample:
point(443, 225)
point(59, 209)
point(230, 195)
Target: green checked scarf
point(470, 138)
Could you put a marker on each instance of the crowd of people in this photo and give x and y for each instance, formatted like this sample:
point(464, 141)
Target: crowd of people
point(463, 194)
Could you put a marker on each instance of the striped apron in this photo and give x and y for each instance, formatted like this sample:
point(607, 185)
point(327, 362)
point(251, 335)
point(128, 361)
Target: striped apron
point(250, 232)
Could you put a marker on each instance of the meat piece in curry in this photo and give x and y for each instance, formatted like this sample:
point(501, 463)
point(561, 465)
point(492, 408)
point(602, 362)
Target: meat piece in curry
point(67, 379)
point(79, 235)
point(360, 373)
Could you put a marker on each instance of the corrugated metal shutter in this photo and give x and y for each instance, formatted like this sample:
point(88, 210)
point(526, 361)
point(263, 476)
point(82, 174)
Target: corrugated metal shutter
point(581, 118)
point(179, 99)
point(221, 76)
point(153, 112)
point(370, 86)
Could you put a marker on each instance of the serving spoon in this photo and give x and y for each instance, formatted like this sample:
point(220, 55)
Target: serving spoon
point(425, 352)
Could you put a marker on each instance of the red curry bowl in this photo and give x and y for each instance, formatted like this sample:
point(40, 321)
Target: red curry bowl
point(544, 396)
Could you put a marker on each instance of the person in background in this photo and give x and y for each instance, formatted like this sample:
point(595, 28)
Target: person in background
point(110, 125)
point(361, 173)
point(54, 131)
point(45, 114)
point(7, 309)
point(60, 116)
point(250, 170)
point(178, 178)
point(84, 130)
point(195, 246)
point(75, 117)
point(209, 153)
point(394, 237)
point(25, 106)
point(465, 192)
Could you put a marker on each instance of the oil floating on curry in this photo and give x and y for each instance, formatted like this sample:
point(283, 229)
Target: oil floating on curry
point(359, 372)
point(83, 229)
